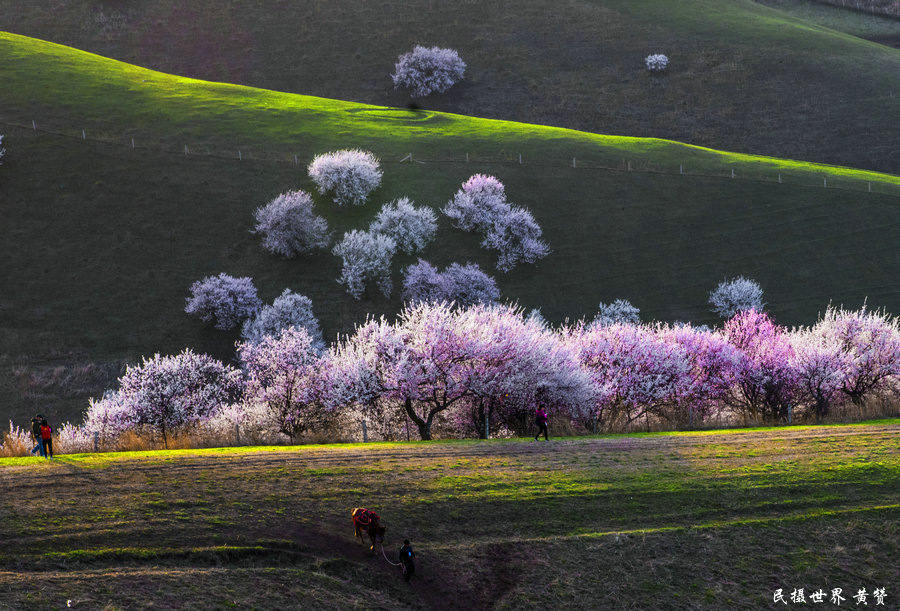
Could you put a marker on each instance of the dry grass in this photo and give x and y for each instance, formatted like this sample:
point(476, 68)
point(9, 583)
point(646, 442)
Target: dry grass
point(615, 522)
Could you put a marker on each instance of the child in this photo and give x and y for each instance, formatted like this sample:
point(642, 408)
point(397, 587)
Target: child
point(47, 439)
point(406, 557)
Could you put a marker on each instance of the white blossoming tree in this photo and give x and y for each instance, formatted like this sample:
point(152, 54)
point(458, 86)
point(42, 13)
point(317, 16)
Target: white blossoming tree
point(411, 228)
point(367, 257)
point(736, 295)
point(424, 70)
point(290, 226)
point(288, 310)
point(223, 300)
point(349, 176)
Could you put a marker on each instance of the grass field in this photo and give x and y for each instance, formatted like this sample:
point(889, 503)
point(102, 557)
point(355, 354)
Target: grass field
point(656, 521)
point(102, 241)
point(743, 77)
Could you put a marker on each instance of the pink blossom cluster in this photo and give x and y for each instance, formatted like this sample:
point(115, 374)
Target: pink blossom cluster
point(482, 370)
point(426, 70)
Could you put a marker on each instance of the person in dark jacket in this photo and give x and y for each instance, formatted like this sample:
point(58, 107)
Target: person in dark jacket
point(406, 558)
point(540, 419)
point(36, 435)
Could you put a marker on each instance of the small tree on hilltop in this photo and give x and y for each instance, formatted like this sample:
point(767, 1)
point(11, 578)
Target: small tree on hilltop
point(411, 228)
point(478, 201)
point(426, 70)
point(367, 257)
point(290, 225)
point(223, 300)
point(737, 295)
point(288, 310)
point(348, 175)
point(656, 62)
point(168, 393)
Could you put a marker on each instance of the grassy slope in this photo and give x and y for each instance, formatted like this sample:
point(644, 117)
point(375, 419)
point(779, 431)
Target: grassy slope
point(744, 77)
point(706, 521)
point(102, 242)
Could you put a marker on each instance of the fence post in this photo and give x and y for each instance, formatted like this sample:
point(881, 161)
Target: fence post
point(237, 434)
point(520, 158)
point(573, 163)
point(295, 160)
point(681, 170)
point(185, 150)
point(824, 182)
point(732, 172)
point(779, 179)
point(487, 425)
point(595, 423)
point(240, 157)
point(132, 144)
point(33, 126)
point(790, 414)
point(365, 432)
point(83, 135)
point(467, 157)
point(96, 442)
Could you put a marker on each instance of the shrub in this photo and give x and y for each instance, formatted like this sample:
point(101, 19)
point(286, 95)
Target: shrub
point(367, 257)
point(423, 282)
point(478, 201)
point(465, 285)
point(656, 62)
point(349, 175)
point(290, 225)
point(619, 311)
point(224, 300)
point(516, 237)
point(411, 228)
point(288, 310)
point(737, 295)
point(424, 71)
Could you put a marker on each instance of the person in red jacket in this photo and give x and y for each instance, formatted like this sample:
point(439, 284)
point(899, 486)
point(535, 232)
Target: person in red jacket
point(47, 438)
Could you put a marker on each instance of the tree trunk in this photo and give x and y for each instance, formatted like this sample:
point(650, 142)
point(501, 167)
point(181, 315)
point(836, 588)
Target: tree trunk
point(424, 425)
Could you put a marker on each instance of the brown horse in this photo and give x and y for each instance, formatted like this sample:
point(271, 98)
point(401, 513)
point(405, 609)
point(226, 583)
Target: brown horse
point(366, 520)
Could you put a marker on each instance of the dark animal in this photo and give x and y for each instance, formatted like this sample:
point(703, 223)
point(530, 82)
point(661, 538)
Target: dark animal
point(366, 520)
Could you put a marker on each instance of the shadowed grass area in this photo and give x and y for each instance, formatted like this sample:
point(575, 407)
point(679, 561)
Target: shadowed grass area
point(611, 522)
point(102, 241)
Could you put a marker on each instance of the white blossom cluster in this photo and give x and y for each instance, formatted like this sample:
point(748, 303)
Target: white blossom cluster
point(290, 225)
point(348, 175)
point(288, 310)
point(367, 257)
point(426, 70)
point(223, 300)
point(480, 205)
point(411, 228)
point(620, 311)
point(656, 62)
point(464, 285)
point(736, 295)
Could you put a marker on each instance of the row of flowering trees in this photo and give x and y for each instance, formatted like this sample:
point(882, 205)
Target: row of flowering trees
point(443, 370)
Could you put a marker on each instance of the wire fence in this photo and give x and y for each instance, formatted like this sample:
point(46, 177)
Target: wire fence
point(125, 140)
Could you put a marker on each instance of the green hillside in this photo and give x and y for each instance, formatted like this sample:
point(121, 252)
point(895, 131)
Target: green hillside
point(743, 76)
point(102, 240)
